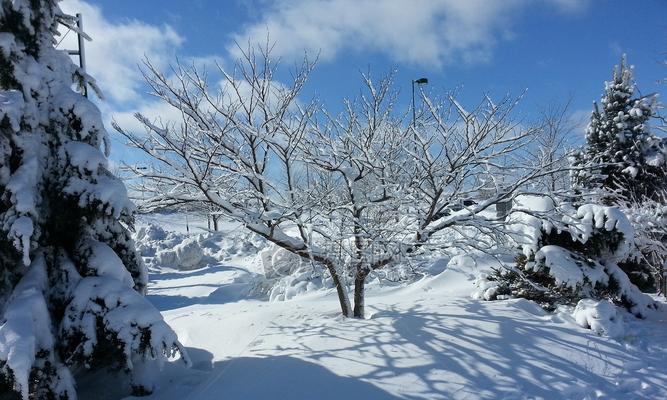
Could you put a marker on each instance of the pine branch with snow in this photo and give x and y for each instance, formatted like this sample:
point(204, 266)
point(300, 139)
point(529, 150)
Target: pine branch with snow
point(568, 255)
point(622, 159)
point(71, 281)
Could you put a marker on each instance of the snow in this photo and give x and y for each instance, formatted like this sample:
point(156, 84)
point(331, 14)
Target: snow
point(11, 105)
point(592, 216)
point(26, 330)
point(106, 190)
point(84, 156)
point(22, 230)
point(88, 113)
point(601, 317)
point(525, 226)
point(423, 340)
point(105, 262)
point(567, 269)
point(187, 255)
point(278, 262)
point(126, 315)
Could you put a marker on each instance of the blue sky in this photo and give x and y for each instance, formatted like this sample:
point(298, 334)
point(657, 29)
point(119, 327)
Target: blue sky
point(553, 48)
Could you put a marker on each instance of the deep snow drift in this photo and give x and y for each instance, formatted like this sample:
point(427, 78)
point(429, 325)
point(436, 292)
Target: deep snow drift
point(427, 339)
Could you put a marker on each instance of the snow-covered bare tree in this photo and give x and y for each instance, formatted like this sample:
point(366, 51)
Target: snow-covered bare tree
point(71, 282)
point(355, 191)
point(554, 143)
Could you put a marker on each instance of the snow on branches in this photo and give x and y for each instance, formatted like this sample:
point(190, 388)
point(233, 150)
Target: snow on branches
point(354, 191)
point(568, 254)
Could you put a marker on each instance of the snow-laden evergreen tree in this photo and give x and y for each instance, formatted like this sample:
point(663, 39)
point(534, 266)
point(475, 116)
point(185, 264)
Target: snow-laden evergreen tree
point(621, 158)
point(71, 281)
point(624, 164)
point(568, 254)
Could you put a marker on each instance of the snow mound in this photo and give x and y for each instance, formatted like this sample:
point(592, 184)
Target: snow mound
point(150, 232)
point(185, 256)
point(602, 317)
point(524, 222)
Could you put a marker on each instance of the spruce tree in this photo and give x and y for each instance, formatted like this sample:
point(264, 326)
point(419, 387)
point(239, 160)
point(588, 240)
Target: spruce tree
point(71, 281)
point(621, 159)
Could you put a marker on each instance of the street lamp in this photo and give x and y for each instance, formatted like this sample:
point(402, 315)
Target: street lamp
point(420, 82)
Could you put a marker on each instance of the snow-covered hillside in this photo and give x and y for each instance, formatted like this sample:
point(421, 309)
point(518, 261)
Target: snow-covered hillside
point(424, 340)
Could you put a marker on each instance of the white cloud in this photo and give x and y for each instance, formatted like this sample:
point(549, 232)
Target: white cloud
point(116, 49)
point(429, 33)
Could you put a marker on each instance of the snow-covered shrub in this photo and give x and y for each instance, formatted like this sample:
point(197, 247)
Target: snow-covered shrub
point(71, 280)
point(304, 278)
point(278, 262)
point(288, 275)
point(601, 317)
point(568, 255)
point(647, 264)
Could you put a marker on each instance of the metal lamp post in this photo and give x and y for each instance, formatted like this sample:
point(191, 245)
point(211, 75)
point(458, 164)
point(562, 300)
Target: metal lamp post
point(420, 81)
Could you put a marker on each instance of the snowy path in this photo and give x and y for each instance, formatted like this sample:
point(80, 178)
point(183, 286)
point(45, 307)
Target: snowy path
point(429, 340)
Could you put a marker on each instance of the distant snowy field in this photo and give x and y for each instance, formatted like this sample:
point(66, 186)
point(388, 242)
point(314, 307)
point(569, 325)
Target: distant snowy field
point(423, 340)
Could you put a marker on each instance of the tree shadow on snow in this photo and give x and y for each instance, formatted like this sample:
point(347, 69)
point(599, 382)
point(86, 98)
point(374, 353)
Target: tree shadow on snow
point(225, 293)
point(272, 377)
point(239, 288)
point(477, 353)
point(157, 275)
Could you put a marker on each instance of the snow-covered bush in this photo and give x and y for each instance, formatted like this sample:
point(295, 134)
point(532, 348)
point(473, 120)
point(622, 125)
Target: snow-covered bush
point(567, 255)
point(647, 264)
point(71, 281)
point(602, 317)
point(304, 278)
point(278, 262)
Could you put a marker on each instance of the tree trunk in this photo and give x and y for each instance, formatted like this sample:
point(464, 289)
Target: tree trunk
point(215, 222)
point(359, 295)
point(343, 298)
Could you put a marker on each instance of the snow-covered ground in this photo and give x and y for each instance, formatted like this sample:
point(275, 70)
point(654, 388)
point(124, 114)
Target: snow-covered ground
point(424, 340)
